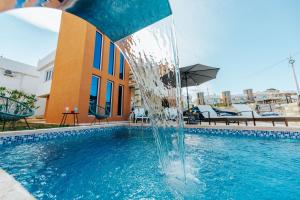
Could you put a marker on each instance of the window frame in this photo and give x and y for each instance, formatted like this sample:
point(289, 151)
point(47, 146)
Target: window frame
point(48, 75)
point(98, 92)
point(123, 64)
point(122, 100)
point(111, 97)
point(114, 59)
point(101, 51)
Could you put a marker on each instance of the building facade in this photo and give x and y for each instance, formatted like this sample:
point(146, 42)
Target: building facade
point(249, 95)
point(226, 98)
point(200, 98)
point(88, 67)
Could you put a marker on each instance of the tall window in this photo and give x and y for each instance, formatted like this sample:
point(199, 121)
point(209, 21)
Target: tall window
point(121, 75)
point(48, 75)
point(108, 102)
point(120, 100)
point(94, 94)
point(98, 51)
point(111, 63)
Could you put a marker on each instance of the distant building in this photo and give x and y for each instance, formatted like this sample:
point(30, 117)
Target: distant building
point(226, 98)
point(200, 98)
point(238, 99)
point(212, 100)
point(249, 95)
point(274, 96)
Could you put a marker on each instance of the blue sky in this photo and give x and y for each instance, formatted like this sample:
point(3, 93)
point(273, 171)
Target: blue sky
point(241, 37)
point(23, 41)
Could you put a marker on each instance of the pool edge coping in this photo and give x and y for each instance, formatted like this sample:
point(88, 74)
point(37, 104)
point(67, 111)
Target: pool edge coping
point(10, 188)
point(127, 124)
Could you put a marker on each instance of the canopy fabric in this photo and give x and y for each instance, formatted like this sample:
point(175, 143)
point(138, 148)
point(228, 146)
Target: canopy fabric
point(197, 74)
point(115, 18)
point(191, 75)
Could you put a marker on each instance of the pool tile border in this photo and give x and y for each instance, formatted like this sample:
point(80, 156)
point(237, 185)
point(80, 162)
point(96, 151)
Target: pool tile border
point(246, 133)
point(48, 134)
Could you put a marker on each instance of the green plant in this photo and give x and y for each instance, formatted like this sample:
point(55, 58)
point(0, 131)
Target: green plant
point(3, 91)
point(20, 96)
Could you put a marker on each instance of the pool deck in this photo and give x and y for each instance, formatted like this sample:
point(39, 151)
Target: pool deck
point(10, 189)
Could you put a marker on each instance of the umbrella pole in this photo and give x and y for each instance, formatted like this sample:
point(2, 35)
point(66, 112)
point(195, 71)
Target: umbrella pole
point(187, 92)
point(188, 99)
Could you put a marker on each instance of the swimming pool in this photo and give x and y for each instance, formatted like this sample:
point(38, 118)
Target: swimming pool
point(121, 163)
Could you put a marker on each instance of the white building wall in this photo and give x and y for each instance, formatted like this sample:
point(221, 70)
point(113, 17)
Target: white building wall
point(44, 65)
point(24, 77)
point(29, 79)
point(41, 107)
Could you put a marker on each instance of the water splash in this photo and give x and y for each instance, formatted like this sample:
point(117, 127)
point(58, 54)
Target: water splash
point(152, 55)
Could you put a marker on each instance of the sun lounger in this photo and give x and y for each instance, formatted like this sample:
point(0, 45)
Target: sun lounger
point(246, 111)
point(210, 115)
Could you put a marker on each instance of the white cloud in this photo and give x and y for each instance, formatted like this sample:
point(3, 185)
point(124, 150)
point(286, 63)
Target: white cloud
point(45, 18)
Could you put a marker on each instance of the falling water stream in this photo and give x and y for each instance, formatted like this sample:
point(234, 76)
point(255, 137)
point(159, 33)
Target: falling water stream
point(152, 55)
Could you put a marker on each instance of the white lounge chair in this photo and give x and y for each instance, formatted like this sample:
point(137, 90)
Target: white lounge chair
point(140, 114)
point(245, 110)
point(210, 115)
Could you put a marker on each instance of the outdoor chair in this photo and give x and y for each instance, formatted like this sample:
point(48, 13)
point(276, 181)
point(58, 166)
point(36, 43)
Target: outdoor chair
point(12, 111)
point(98, 112)
point(140, 114)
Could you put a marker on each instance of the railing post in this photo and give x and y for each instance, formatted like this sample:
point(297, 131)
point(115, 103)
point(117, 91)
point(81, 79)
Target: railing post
point(6, 105)
point(253, 118)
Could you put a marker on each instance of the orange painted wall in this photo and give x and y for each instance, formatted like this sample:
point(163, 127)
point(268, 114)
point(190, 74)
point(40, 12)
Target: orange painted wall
point(73, 70)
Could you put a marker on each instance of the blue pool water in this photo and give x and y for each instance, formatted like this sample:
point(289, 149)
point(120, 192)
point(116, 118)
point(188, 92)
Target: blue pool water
point(124, 165)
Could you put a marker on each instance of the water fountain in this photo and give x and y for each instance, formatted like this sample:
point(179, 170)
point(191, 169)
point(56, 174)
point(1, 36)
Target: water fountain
point(152, 55)
point(144, 32)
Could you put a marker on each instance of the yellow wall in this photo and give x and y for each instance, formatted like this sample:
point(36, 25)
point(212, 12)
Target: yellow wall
point(73, 70)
